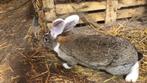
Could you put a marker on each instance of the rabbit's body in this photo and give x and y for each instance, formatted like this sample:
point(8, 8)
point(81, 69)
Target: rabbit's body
point(112, 54)
point(108, 51)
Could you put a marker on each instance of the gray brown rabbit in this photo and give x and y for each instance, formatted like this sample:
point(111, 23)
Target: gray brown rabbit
point(114, 55)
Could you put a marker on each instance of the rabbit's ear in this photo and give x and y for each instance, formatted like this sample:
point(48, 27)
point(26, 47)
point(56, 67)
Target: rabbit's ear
point(58, 26)
point(70, 22)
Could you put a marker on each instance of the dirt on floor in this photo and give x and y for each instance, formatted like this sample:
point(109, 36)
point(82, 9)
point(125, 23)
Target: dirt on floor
point(21, 62)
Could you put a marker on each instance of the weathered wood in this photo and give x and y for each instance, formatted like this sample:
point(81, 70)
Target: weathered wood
point(124, 13)
point(131, 12)
point(49, 7)
point(93, 5)
point(111, 11)
point(128, 1)
point(65, 8)
point(83, 7)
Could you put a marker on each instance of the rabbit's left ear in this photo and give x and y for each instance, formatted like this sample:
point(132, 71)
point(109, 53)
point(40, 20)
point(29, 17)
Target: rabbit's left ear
point(57, 27)
point(70, 22)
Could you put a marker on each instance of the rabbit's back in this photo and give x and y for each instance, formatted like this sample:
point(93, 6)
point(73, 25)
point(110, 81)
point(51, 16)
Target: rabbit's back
point(100, 50)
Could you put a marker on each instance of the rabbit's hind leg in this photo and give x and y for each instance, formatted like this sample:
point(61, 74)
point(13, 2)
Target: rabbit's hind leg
point(133, 75)
point(119, 70)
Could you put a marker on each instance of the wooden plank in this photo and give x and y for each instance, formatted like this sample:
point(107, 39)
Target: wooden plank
point(130, 3)
point(111, 11)
point(124, 13)
point(85, 6)
point(50, 7)
point(92, 6)
point(127, 1)
point(50, 14)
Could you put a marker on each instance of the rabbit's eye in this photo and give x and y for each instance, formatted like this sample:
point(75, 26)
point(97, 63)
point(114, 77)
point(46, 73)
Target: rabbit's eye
point(46, 39)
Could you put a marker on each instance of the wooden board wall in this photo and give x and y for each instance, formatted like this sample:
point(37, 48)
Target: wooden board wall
point(103, 10)
point(94, 6)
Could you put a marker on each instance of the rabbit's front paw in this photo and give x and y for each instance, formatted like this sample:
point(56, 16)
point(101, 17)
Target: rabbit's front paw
point(66, 66)
point(133, 75)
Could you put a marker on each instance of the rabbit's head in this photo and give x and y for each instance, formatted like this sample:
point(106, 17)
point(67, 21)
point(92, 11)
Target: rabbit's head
point(59, 26)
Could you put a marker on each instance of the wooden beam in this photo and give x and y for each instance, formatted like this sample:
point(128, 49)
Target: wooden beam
point(50, 15)
point(111, 11)
point(49, 6)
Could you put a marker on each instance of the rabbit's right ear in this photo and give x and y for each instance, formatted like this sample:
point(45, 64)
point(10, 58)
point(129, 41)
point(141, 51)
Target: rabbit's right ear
point(57, 27)
point(70, 22)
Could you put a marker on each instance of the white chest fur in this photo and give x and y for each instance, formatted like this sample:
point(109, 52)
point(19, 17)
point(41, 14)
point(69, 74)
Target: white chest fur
point(61, 55)
point(56, 48)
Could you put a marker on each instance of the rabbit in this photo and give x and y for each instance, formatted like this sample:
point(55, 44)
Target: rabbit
point(114, 55)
